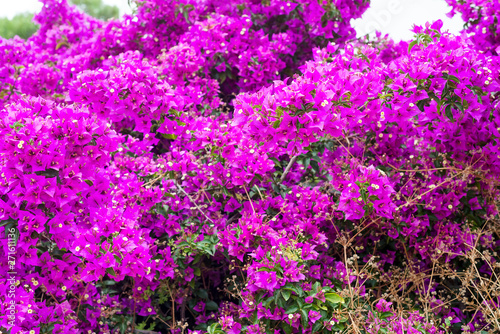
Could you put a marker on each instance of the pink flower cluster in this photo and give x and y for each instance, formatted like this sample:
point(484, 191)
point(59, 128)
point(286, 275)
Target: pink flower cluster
point(229, 166)
point(481, 22)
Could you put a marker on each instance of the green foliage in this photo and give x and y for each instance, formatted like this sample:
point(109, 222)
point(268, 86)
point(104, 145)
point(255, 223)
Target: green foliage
point(20, 25)
point(96, 9)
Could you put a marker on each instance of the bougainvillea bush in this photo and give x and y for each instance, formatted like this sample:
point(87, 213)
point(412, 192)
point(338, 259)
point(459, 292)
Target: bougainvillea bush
point(247, 166)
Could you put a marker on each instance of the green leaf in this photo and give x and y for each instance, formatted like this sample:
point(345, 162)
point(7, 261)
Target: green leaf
point(298, 290)
point(123, 327)
point(333, 298)
point(324, 20)
point(222, 77)
point(276, 297)
point(169, 136)
point(338, 327)
point(385, 315)
point(109, 282)
point(203, 294)
point(459, 106)
point(292, 309)
point(281, 303)
point(304, 318)
point(16, 125)
point(212, 329)
point(111, 271)
point(279, 111)
point(286, 294)
point(211, 306)
point(448, 112)
point(267, 302)
point(276, 123)
point(411, 45)
point(321, 306)
point(6, 222)
point(315, 166)
point(61, 44)
point(317, 326)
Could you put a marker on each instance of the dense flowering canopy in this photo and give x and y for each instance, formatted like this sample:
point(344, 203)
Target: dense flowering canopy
point(481, 21)
point(249, 167)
